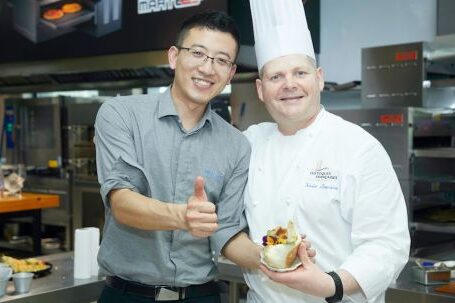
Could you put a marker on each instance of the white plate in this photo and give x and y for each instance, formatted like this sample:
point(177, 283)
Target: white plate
point(294, 265)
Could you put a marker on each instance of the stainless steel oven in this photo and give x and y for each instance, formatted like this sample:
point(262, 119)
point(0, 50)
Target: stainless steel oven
point(61, 129)
point(36, 136)
point(96, 17)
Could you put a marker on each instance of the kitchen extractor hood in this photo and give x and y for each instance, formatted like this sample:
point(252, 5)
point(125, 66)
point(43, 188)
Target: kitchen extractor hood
point(124, 70)
point(145, 69)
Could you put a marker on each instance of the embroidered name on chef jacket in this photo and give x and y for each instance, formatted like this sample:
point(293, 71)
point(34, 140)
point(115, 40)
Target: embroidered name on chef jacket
point(322, 177)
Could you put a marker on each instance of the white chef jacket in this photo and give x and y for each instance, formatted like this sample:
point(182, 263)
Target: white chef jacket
point(337, 183)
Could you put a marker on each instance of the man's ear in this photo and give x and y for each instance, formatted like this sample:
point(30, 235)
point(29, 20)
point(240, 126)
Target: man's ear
point(172, 54)
point(259, 89)
point(232, 73)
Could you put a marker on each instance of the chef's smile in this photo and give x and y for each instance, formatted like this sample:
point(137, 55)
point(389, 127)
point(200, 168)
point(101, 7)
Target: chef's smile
point(292, 99)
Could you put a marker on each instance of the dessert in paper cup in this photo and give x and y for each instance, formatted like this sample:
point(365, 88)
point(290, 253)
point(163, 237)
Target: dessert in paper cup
point(280, 248)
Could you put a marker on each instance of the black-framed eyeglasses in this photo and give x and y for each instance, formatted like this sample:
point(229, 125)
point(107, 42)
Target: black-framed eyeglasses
point(199, 57)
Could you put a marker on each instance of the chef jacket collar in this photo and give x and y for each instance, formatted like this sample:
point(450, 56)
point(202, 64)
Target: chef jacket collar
point(166, 108)
point(314, 128)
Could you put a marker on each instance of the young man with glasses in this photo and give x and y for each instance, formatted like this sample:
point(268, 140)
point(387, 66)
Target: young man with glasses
point(172, 175)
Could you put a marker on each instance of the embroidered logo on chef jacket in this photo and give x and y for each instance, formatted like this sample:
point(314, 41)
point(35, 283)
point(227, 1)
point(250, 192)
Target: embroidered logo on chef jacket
point(322, 177)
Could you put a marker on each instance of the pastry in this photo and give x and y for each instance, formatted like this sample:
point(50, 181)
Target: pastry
point(53, 14)
point(71, 8)
point(281, 246)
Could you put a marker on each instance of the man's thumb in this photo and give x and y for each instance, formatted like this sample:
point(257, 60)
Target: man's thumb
point(199, 191)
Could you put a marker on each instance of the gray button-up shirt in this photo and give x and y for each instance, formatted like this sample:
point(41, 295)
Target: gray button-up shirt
point(142, 145)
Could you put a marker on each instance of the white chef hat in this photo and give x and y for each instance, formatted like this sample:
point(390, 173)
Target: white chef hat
point(280, 29)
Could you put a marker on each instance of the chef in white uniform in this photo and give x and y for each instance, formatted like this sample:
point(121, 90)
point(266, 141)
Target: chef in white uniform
point(329, 176)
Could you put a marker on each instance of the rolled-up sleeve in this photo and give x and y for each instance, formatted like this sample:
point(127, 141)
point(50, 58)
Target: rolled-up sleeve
point(230, 208)
point(125, 174)
point(115, 155)
point(380, 235)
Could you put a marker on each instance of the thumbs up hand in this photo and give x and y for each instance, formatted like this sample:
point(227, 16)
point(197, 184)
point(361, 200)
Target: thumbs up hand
point(200, 215)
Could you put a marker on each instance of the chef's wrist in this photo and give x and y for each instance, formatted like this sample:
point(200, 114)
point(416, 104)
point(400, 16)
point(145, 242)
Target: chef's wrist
point(338, 283)
point(329, 286)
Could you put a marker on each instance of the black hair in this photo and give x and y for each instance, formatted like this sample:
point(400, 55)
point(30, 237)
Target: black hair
point(213, 20)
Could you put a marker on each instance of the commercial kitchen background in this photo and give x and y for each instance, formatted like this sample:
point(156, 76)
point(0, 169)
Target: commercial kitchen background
point(49, 105)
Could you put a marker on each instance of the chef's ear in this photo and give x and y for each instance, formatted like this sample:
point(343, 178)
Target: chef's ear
point(320, 77)
point(259, 89)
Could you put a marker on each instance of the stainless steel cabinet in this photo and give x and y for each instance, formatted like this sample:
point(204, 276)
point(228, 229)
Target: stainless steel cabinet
point(88, 208)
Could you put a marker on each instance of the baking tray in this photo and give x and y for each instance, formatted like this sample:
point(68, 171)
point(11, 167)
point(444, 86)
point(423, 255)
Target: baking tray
point(69, 20)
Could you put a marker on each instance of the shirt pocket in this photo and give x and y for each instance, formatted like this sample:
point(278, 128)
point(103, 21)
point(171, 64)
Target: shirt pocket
point(214, 181)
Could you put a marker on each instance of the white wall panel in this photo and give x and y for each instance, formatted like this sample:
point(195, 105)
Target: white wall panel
point(349, 25)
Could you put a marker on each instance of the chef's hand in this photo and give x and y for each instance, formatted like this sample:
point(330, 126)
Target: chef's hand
point(311, 252)
point(308, 278)
point(200, 214)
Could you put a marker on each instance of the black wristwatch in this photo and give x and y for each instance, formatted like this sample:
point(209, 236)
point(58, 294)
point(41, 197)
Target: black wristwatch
point(338, 296)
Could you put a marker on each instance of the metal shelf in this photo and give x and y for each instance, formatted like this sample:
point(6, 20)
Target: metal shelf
point(424, 186)
point(443, 152)
point(442, 83)
point(448, 228)
point(47, 2)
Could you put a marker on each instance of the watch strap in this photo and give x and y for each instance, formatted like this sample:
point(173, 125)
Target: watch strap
point(338, 296)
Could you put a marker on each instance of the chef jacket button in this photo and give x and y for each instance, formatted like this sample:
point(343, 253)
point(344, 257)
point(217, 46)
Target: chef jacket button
point(255, 202)
point(288, 201)
point(259, 168)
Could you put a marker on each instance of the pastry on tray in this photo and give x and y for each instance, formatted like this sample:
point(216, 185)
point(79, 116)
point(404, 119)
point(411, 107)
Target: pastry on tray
point(71, 8)
point(53, 14)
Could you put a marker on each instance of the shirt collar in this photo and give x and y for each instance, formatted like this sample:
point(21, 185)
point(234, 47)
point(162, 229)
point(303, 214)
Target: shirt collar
point(166, 108)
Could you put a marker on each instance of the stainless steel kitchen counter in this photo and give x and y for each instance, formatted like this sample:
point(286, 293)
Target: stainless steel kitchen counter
point(404, 290)
point(59, 286)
